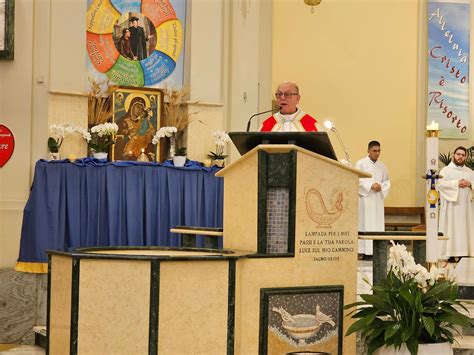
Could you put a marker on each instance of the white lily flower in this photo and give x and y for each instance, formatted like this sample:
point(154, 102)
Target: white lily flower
point(221, 138)
point(59, 131)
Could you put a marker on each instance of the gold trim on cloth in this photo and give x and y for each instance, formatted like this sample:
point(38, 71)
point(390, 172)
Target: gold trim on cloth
point(296, 122)
point(35, 268)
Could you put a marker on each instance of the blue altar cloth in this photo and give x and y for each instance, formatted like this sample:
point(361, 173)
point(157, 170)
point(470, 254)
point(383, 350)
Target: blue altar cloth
point(92, 202)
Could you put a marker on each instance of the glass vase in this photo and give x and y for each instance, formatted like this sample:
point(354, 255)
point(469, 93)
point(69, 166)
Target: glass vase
point(54, 156)
point(219, 162)
point(172, 147)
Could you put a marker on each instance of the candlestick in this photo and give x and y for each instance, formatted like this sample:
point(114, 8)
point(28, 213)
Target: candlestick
point(143, 156)
point(432, 130)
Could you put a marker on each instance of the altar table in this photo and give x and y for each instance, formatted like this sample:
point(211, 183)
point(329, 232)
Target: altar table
point(94, 203)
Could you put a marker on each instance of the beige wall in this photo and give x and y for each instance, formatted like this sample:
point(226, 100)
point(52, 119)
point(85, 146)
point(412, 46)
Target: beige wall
point(363, 65)
point(249, 66)
point(356, 64)
point(16, 90)
point(68, 43)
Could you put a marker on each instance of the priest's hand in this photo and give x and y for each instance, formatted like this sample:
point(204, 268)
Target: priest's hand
point(376, 187)
point(464, 183)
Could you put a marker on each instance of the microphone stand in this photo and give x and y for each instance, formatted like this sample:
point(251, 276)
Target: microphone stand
point(260, 113)
point(346, 153)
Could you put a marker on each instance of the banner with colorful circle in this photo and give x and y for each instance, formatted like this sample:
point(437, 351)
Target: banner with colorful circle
point(136, 42)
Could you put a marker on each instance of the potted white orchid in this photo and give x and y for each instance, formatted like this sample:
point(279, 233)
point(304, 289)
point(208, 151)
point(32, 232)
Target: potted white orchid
point(413, 311)
point(57, 134)
point(221, 138)
point(103, 136)
point(177, 153)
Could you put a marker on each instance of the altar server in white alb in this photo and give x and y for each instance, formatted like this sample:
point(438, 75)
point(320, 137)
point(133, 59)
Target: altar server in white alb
point(456, 216)
point(372, 194)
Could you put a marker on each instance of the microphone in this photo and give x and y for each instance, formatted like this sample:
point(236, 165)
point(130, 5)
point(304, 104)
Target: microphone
point(273, 110)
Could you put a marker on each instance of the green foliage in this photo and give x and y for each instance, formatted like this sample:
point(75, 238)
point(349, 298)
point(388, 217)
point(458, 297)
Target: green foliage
point(219, 153)
point(401, 311)
point(445, 158)
point(470, 158)
point(101, 144)
point(181, 151)
point(216, 155)
point(54, 145)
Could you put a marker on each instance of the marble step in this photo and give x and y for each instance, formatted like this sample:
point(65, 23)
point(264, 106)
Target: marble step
point(23, 350)
point(465, 342)
point(22, 305)
point(40, 336)
point(464, 272)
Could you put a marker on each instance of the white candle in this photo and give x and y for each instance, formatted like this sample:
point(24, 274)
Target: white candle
point(431, 211)
point(143, 150)
point(434, 126)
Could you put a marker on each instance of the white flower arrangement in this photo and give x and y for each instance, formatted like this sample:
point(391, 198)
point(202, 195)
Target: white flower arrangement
point(401, 261)
point(411, 306)
point(105, 129)
point(103, 136)
point(167, 131)
point(172, 133)
point(59, 131)
point(221, 138)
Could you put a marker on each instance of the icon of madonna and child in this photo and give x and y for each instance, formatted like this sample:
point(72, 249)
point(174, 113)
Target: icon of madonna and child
point(136, 115)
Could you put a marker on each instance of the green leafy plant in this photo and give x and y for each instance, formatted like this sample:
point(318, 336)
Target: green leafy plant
point(445, 158)
point(54, 145)
point(181, 151)
point(470, 157)
point(411, 306)
point(217, 155)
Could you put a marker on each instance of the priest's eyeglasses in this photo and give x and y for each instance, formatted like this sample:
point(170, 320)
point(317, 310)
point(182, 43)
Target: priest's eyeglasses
point(285, 94)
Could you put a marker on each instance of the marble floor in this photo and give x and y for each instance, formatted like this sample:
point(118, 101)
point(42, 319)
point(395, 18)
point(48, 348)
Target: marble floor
point(24, 350)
